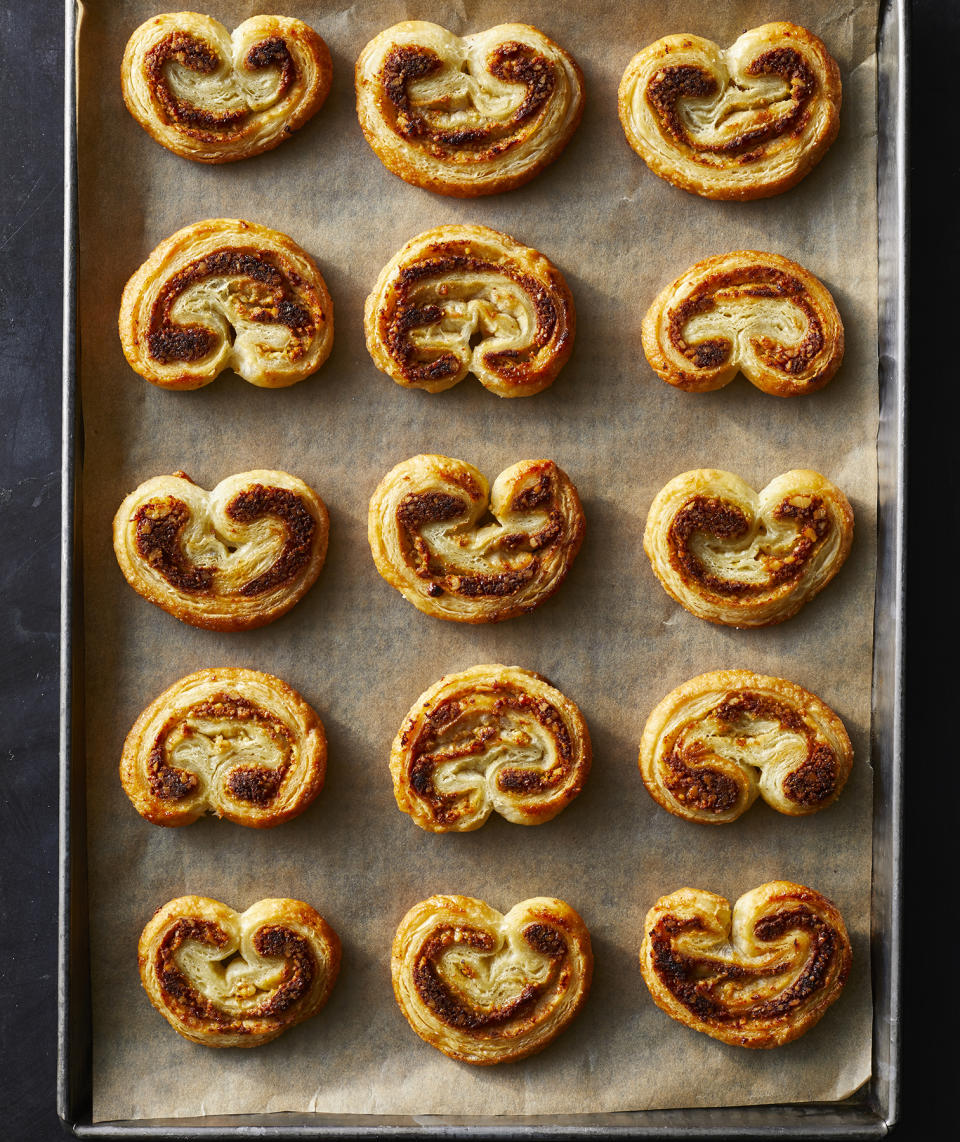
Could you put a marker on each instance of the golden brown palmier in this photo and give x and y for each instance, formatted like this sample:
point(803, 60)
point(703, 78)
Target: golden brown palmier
point(491, 738)
point(748, 122)
point(226, 294)
point(718, 741)
point(427, 540)
point(467, 299)
point(758, 977)
point(226, 979)
point(745, 312)
point(467, 116)
point(744, 558)
point(233, 558)
point(487, 988)
point(215, 97)
point(228, 741)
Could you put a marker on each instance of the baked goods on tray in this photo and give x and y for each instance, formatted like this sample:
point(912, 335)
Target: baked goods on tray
point(468, 299)
point(489, 739)
point(215, 96)
point(716, 743)
point(226, 294)
point(222, 978)
point(757, 976)
point(744, 558)
point(744, 122)
point(487, 988)
point(744, 312)
point(470, 115)
point(428, 540)
point(229, 741)
point(233, 558)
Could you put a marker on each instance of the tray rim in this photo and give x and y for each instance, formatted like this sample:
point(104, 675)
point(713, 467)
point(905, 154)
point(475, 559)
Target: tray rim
point(869, 1113)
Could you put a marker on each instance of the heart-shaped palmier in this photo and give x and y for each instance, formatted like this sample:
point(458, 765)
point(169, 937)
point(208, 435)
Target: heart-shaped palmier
point(745, 312)
point(226, 294)
point(747, 122)
point(233, 742)
point(467, 116)
point(215, 97)
point(744, 558)
point(428, 541)
point(718, 741)
point(487, 988)
point(237, 979)
point(467, 299)
point(758, 977)
point(492, 738)
point(234, 558)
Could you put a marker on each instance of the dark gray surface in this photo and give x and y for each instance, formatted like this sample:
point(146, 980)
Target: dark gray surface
point(31, 64)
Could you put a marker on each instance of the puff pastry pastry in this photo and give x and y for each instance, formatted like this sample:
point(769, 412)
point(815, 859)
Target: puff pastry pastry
point(745, 312)
point(467, 116)
point(233, 742)
point(428, 541)
point(237, 979)
point(492, 738)
point(226, 294)
point(234, 558)
point(748, 122)
point(215, 97)
point(718, 741)
point(757, 977)
point(467, 299)
point(742, 558)
point(486, 988)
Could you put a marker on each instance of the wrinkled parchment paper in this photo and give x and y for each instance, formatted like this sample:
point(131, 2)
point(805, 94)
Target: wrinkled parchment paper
point(611, 638)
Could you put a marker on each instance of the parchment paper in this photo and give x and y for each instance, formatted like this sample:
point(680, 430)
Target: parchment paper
point(611, 638)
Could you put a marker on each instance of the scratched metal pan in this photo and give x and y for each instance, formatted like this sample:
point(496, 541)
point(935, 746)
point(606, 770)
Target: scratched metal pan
point(873, 1110)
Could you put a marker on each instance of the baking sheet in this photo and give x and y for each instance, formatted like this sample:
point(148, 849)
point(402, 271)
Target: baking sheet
point(611, 638)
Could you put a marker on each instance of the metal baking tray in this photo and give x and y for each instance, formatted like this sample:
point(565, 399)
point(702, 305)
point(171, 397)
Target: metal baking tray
point(873, 1110)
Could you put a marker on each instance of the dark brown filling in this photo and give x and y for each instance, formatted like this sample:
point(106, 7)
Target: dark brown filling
point(160, 525)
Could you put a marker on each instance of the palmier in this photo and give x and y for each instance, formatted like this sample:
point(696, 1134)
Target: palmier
point(234, 558)
point(492, 738)
point(758, 977)
point(428, 540)
point(215, 97)
point(226, 294)
point(485, 988)
point(748, 122)
point(745, 312)
point(467, 299)
point(237, 979)
point(467, 116)
point(742, 558)
point(237, 743)
point(718, 741)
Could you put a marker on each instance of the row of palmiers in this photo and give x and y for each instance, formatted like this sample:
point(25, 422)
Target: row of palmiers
point(225, 293)
point(484, 113)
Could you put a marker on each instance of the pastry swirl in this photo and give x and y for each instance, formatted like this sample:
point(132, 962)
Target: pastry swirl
point(228, 741)
point(744, 312)
point(226, 979)
point(467, 116)
point(427, 540)
point(467, 299)
point(759, 977)
point(742, 558)
point(718, 741)
point(226, 294)
point(492, 738)
point(487, 988)
point(214, 97)
point(234, 558)
point(748, 122)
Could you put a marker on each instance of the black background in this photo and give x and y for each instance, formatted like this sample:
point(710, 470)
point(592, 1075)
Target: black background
point(31, 252)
